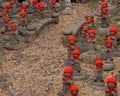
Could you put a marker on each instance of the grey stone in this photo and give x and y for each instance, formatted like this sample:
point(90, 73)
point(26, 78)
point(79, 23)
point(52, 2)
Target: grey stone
point(92, 57)
point(109, 65)
point(97, 86)
point(44, 23)
point(118, 77)
point(81, 76)
point(103, 30)
point(13, 46)
point(116, 52)
point(31, 27)
point(83, 48)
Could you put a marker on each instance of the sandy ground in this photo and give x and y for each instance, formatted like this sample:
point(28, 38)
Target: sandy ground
point(37, 69)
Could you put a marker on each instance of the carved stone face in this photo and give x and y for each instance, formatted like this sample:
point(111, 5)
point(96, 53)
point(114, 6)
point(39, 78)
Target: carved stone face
point(108, 44)
point(100, 65)
point(89, 21)
point(111, 84)
point(86, 28)
point(92, 34)
point(13, 27)
point(75, 55)
point(74, 92)
point(72, 41)
point(67, 74)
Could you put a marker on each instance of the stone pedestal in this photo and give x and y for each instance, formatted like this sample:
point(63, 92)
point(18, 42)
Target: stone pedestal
point(81, 76)
point(97, 86)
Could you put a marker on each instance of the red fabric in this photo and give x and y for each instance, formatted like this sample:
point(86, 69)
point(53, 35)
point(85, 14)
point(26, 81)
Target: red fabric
point(74, 39)
point(4, 12)
point(89, 19)
point(105, 12)
point(41, 7)
point(34, 2)
point(53, 2)
point(85, 31)
point(23, 8)
point(23, 15)
point(115, 30)
point(8, 6)
point(104, 4)
point(99, 62)
point(76, 52)
point(112, 80)
point(13, 29)
point(74, 88)
point(91, 37)
point(7, 21)
point(108, 42)
point(68, 70)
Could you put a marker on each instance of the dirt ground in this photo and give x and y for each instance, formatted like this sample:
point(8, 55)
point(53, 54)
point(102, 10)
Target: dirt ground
point(37, 69)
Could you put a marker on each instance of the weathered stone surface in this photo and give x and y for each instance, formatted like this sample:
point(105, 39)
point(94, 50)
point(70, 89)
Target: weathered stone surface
point(13, 46)
point(103, 30)
point(109, 65)
point(97, 86)
point(81, 76)
point(2, 52)
point(118, 77)
point(67, 11)
point(83, 48)
point(89, 58)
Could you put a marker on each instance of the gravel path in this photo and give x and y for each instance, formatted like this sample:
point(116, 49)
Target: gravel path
point(37, 70)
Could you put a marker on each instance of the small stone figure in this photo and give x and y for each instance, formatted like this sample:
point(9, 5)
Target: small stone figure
point(98, 83)
point(99, 71)
point(67, 78)
point(71, 45)
point(14, 31)
point(4, 13)
point(111, 88)
point(34, 3)
point(92, 40)
point(23, 8)
point(23, 19)
point(104, 4)
point(108, 56)
point(41, 8)
point(74, 90)
point(68, 3)
point(85, 29)
point(75, 63)
point(54, 2)
point(108, 50)
point(6, 25)
point(104, 13)
point(113, 32)
point(90, 21)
